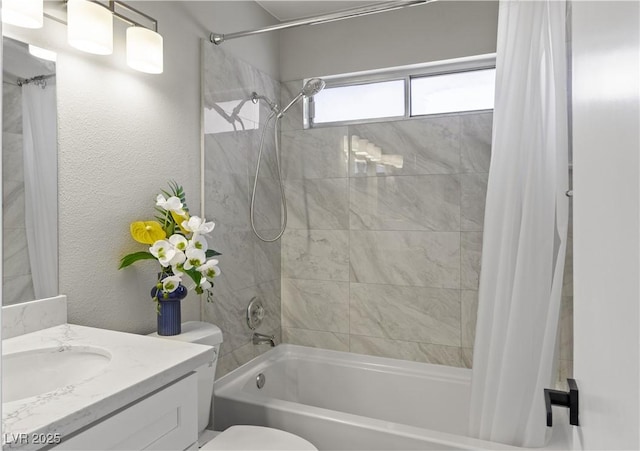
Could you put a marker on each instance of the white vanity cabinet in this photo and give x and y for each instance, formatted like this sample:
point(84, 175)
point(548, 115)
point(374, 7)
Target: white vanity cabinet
point(165, 420)
point(144, 398)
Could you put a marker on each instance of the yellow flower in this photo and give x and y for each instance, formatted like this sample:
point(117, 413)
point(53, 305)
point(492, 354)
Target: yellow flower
point(179, 219)
point(147, 232)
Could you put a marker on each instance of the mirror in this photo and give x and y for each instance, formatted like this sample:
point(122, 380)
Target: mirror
point(30, 176)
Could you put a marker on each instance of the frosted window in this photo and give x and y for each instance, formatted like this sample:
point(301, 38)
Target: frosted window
point(447, 93)
point(356, 102)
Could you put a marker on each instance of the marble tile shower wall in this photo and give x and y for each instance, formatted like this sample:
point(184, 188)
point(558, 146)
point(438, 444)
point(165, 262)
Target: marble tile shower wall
point(17, 285)
point(249, 266)
point(383, 263)
point(386, 262)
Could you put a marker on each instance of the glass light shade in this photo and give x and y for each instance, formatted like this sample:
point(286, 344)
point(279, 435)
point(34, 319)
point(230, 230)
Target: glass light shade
point(89, 27)
point(41, 53)
point(144, 50)
point(23, 13)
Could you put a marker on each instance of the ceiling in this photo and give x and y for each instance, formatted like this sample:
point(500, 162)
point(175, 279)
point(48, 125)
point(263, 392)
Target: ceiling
point(290, 10)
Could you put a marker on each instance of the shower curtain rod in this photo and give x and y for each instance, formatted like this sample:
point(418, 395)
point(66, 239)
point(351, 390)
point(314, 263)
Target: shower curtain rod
point(219, 38)
point(38, 79)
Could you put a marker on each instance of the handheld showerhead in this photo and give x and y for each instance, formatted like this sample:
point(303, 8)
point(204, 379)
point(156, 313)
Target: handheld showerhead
point(310, 89)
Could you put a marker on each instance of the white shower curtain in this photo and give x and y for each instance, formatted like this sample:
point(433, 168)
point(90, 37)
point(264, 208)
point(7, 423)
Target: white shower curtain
point(525, 227)
point(39, 128)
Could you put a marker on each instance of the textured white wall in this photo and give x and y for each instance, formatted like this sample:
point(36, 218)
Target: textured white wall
point(436, 31)
point(122, 136)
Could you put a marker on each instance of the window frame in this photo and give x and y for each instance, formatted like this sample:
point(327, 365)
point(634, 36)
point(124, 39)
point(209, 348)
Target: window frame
point(406, 74)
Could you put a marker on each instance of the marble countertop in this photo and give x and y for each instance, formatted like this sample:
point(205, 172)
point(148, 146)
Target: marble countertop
point(139, 365)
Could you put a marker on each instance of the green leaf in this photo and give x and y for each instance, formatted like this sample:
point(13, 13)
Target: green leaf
point(170, 228)
point(195, 276)
point(211, 253)
point(128, 260)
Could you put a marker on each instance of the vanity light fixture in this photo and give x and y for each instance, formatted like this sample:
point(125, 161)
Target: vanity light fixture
point(41, 53)
point(23, 13)
point(144, 50)
point(90, 29)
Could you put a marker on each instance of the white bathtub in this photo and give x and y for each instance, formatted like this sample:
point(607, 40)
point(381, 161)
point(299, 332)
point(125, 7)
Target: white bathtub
point(344, 401)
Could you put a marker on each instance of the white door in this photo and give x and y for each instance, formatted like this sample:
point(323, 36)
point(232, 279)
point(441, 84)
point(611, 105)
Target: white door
point(606, 222)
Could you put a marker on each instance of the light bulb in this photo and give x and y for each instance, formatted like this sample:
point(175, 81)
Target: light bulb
point(89, 27)
point(144, 50)
point(23, 13)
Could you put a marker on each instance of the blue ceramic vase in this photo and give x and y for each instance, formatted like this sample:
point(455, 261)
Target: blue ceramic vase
point(169, 317)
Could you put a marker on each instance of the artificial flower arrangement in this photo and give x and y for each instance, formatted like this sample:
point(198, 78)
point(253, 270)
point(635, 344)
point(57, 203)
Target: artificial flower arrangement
point(185, 252)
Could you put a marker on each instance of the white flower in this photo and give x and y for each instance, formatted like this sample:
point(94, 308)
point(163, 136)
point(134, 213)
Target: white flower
point(178, 268)
point(172, 204)
point(205, 284)
point(199, 242)
point(178, 259)
point(209, 269)
point(170, 283)
point(198, 225)
point(179, 242)
point(163, 251)
point(195, 258)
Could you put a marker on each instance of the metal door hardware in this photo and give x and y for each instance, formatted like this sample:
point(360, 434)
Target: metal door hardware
point(565, 399)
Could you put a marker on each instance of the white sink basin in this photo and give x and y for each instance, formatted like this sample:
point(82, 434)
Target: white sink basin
point(32, 373)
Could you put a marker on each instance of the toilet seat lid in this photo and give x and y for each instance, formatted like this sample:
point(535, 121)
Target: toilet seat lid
point(257, 438)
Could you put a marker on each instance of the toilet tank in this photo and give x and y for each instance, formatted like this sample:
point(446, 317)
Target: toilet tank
point(206, 334)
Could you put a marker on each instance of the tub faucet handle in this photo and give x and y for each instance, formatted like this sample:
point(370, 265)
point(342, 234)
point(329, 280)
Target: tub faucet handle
point(255, 313)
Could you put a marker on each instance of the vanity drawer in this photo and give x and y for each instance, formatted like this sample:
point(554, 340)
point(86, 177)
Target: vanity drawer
point(166, 420)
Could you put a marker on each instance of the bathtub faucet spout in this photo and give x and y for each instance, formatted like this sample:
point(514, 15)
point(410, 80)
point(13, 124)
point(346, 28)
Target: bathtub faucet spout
point(261, 339)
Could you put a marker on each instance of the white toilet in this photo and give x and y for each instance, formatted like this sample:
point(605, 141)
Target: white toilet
point(236, 437)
